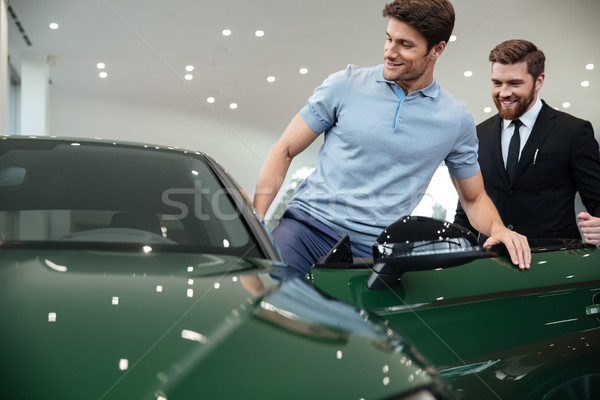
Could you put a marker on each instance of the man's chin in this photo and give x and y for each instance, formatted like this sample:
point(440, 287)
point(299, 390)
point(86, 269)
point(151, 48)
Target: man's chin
point(388, 76)
point(507, 114)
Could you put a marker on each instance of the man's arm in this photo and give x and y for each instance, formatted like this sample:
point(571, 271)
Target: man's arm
point(484, 217)
point(296, 137)
point(585, 164)
point(460, 218)
point(590, 227)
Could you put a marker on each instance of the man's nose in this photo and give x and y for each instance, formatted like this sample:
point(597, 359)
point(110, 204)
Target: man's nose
point(505, 91)
point(390, 52)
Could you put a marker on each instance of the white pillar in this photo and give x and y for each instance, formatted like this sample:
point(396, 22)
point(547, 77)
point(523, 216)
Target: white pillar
point(3, 67)
point(35, 73)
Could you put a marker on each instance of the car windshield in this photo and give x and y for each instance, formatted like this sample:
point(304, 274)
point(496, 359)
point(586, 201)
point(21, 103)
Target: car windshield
point(76, 193)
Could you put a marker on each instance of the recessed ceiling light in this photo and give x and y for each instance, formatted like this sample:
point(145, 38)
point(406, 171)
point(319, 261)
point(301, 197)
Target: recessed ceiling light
point(189, 68)
point(210, 100)
point(233, 106)
point(53, 25)
point(468, 74)
point(487, 110)
point(303, 71)
point(566, 104)
point(102, 74)
point(100, 65)
point(270, 79)
point(188, 77)
point(226, 32)
point(452, 38)
point(585, 84)
point(589, 67)
point(259, 33)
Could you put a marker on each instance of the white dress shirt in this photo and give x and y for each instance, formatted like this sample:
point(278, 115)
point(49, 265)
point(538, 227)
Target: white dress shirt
point(528, 120)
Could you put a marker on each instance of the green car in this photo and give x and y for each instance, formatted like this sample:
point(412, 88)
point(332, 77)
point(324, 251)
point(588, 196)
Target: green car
point(143, 272)
point(491, 330)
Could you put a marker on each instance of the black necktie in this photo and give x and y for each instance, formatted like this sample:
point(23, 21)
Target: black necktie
point(513, 151)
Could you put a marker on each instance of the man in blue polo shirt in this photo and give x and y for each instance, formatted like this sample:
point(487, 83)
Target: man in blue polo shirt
point(387, 129)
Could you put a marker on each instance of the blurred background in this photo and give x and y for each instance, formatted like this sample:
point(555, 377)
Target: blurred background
point(225, 77)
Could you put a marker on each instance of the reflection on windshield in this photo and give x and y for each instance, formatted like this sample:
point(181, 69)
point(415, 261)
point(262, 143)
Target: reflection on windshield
point(102, 193)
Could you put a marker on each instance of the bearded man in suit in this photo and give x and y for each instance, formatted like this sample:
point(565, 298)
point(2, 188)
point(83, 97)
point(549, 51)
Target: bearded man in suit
point(533, 178)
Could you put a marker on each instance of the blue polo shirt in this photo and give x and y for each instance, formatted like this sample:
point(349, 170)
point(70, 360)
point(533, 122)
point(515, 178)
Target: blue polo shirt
point(380, 150)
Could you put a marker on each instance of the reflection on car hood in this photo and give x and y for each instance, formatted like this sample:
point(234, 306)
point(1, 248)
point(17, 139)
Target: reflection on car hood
point(124, 325)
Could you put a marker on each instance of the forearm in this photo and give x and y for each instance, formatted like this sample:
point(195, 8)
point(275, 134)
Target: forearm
point(482, 215)
point(485, 218)
point(271, 178)
point(460, 218)
point(294, 140)
point(477, 205)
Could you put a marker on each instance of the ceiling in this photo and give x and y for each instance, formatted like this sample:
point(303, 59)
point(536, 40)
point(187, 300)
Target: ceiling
point(147, 44)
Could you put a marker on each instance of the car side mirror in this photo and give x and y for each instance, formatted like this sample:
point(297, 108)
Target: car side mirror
point(415, 243)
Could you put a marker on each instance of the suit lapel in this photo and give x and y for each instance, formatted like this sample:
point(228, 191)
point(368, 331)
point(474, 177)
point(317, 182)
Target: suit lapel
point(496, 147)
point(544, 123)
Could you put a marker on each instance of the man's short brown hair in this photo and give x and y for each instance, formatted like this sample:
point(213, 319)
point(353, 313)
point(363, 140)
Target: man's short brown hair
point(517, 50)
point(434, 19)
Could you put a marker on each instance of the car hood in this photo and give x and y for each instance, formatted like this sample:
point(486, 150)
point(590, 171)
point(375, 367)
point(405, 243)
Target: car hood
point(116, 325)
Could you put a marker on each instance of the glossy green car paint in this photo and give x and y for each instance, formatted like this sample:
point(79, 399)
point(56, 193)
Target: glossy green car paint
point(72, 318)
point(91, 311)
point(493, 330)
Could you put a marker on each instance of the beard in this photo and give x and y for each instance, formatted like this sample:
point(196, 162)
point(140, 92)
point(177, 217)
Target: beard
point(521, 107)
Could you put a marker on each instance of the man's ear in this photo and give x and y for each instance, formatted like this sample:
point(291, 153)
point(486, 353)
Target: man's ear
point(539, 82)
point(436, 51)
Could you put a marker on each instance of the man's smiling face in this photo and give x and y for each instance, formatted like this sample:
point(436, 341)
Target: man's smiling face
point(406, 59)
point(513, 89)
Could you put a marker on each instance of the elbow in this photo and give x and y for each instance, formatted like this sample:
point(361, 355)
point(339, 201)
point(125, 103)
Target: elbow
point(281, 151)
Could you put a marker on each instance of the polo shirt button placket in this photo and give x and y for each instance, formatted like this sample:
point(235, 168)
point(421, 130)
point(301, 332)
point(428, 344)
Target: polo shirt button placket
point(401, 97)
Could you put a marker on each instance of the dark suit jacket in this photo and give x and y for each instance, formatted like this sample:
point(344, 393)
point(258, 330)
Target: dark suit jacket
point(560, 158)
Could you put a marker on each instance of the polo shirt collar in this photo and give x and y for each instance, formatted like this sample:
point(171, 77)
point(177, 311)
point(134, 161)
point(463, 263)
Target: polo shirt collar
point(432, 90)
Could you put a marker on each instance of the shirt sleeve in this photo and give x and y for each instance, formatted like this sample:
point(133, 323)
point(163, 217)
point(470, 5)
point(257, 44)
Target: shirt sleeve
point(462, 161)
point(320, 112)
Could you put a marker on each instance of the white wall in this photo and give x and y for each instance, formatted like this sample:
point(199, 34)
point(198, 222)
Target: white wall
point(241, 149)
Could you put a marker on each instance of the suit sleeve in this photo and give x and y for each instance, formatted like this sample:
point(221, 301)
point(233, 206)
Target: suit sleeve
point(585, 167)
